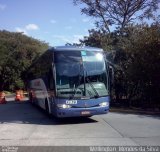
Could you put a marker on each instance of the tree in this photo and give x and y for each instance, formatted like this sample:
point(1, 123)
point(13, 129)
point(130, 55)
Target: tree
point(94, 39)
point(101, 39)
point(118, 13)
point(17, 52)
point(141, 68)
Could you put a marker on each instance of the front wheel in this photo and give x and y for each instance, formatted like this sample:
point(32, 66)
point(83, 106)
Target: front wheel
point(30, 97)
point(46, 106)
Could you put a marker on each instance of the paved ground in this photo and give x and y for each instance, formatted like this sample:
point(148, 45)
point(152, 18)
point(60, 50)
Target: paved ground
point(24, 124)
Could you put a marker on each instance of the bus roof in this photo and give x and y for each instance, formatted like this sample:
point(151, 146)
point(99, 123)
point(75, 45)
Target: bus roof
point(75, 48)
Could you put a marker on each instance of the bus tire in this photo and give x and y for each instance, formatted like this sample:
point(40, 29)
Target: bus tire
point(30, 98)
point(46, 106)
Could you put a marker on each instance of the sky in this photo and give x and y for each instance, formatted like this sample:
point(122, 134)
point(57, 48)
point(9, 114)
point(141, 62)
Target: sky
point(56, 22)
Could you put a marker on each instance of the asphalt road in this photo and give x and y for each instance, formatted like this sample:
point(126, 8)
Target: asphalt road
point(23, 124)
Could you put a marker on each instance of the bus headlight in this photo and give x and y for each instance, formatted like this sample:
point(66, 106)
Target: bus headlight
point(104, 104)
point(63, 106)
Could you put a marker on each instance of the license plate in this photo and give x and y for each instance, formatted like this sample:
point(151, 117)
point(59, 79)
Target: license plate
point(85, 112)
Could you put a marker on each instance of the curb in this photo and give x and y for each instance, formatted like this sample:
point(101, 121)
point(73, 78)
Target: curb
point(130, 111)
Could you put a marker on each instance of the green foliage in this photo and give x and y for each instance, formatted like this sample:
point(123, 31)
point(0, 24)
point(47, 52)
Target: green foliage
point(142, 66)
point(17, 52)
point(19, 84)
point(94, 39)
point(101, 39)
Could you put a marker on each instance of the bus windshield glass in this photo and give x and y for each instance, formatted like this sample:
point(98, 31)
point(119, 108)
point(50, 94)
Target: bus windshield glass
point(80, 74)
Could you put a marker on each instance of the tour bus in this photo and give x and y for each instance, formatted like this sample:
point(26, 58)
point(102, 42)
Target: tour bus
point(70, 81)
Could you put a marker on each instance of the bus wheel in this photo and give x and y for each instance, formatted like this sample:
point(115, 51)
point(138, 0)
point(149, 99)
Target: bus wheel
point(30, 98)
point(46, 106)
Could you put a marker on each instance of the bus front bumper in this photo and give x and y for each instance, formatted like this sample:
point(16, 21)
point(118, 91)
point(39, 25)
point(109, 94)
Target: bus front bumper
point(78, 112)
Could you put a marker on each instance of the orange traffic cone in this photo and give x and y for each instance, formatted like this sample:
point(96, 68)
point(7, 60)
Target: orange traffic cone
point(2, 98)
point(19, 95)
point(22, 94)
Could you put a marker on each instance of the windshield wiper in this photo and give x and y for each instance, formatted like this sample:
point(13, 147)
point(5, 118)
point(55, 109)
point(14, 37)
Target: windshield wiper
point(75, 89)
point(79, 80)
point(89, 82)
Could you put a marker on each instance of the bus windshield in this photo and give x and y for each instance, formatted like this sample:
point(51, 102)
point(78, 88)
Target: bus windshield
point(80, 74)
